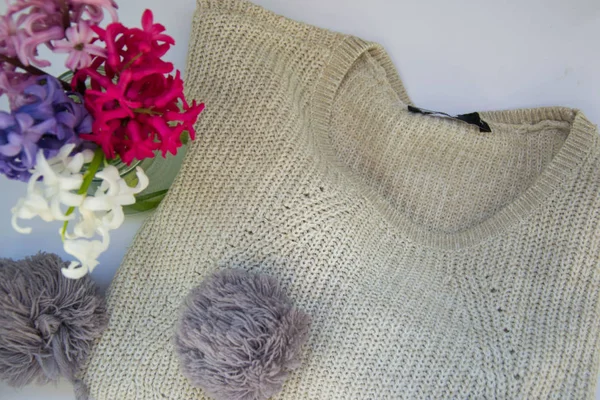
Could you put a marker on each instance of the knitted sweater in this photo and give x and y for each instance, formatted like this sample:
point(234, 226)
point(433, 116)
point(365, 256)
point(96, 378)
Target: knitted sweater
point(435, 260)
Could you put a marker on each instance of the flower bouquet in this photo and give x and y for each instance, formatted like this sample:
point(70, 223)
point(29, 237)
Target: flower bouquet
point(67, 137)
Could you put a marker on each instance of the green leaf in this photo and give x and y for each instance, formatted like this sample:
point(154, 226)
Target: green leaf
point(185, 137)
point(147, 202)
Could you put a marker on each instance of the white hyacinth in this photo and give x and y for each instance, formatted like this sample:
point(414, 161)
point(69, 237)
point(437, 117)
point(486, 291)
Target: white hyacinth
point(95, 215)
point(46, 198)
point(98, 215)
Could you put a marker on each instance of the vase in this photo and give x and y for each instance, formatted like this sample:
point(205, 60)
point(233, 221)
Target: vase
point(161, 172)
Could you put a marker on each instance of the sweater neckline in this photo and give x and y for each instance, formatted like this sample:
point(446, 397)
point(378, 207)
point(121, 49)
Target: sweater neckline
point(572, 155)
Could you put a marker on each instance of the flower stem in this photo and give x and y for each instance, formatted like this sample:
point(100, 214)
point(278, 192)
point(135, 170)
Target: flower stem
point(31, 69)
point(145, 111)
point(87, 181)
point(81, 88)
point(64, 9)
point(134, 59)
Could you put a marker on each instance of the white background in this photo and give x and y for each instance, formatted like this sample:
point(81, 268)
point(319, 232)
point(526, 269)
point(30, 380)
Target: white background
point(454, 56)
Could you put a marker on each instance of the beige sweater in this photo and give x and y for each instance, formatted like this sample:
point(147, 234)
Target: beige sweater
point(436, 261)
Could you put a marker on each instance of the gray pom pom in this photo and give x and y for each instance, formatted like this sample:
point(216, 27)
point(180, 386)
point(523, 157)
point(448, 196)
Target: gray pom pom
point(47, 322)
point(239, 336)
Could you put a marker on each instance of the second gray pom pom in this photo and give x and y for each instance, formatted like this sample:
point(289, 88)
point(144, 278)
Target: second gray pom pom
point(47, 322)
point(239, 336)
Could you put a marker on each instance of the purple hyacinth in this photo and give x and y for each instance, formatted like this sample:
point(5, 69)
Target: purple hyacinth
point(44, 95)
point(12, 167)
point(22, 135)
point(73, 116)
point(51, 120)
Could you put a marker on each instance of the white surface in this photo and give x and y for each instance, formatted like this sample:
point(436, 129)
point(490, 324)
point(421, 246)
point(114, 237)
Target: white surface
point(454, 56)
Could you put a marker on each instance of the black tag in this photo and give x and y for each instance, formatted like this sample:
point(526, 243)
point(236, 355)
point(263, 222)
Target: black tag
point(472, 118)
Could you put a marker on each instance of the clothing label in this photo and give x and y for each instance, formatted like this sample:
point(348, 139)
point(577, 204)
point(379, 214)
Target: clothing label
point(472, 118)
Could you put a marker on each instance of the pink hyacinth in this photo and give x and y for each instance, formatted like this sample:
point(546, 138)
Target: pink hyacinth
point(27, 25)
point(47, 6)
point(94, 9)
point(11, 38)
point(31, 23)
point(13, 83)
point(79, 46)
point(137, 103)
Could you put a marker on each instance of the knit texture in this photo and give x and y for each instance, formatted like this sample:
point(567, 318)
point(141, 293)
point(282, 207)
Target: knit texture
point(435, 261)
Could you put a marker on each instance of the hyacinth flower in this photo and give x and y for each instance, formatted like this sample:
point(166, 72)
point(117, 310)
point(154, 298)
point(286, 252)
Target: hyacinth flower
point(93, 9)
point(137, 87)
point(47, 99)
point(13, 83)
point(22, 135)
point(31, 23)
point(86, 252)
point(99, 214)
point(52, 196)
point(20, 36)
point(125, 103)
point(78, 45)
point(49, 121)
point(51, 187)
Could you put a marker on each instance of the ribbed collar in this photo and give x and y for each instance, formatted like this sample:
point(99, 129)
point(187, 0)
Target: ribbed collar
point(572, 155)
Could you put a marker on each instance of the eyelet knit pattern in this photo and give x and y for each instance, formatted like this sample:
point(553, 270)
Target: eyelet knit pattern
point(435, 261)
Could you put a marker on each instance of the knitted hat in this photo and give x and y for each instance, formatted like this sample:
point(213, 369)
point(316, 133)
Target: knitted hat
point(435, 259)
